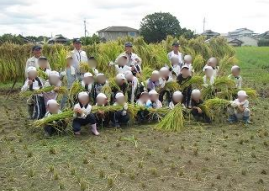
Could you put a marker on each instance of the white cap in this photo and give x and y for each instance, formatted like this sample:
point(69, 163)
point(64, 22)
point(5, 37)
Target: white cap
point(143, 93)
point(100, 74)
point(195, 92)
point(187, 58)
point(31, 69)
point(153, 92)
point(185, 66)
point(87, 74)
point(164, 69)
point(52, 101)
point(83, 94)
point(208, 68)
point(242, 93)
point(120, 77)
point(212, 59)
point(119, 95)
point(177, 94)
point(101, 95)
point(155, 72)
point(54, 73)
point(235, 67)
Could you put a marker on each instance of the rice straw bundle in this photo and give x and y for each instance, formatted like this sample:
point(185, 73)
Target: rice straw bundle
point(173, 120)
point(54, 117)
point(85, 67)
point(62, 90)
point(196, 81)
point(41, 74)
point(224, 82)
point(171, 86)
point(208, 92)
point(250, 92)
point(113, 84)
point(133, 110)
point(213, 107)
point(111, 108)
point(75, 88)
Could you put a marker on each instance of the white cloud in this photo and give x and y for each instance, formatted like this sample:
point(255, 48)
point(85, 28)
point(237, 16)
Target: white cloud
point(66, 17)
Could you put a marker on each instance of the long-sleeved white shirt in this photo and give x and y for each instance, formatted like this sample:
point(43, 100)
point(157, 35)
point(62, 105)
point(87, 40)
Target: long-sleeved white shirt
point(122, 69)
point(86, 110)
point(134, 88)
point(132, 59)
point(26, 87)
point(33, 61)
point(79, 56)
point(179, 55)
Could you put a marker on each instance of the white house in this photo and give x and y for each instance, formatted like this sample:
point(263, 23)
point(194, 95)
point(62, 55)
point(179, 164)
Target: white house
point(240, 32)
point(114, 32)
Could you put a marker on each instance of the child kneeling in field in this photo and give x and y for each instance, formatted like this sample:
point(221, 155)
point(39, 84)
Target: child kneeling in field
point(36, 107)
point(83, 115)
point(52, 109)
point(120, 117)
point(239, 108)
point(177, 98)
point(102, 118)
point(196, 111)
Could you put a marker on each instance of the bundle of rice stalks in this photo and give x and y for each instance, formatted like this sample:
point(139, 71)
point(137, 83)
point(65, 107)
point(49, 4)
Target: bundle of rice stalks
point(160, 113)
point(171, 86)
point(214, 107)
point(225, 64)
point(113, 84)
point(198, 63)
point(173, 120)
point(41, 74)
point(55, 117)
point(110, 108)
point(133, 110)
point(224, 82)
point(195, 81)
point(85, 67)
point(250, 92)
point(62, 90)
point(75, 89)
point(208, 92)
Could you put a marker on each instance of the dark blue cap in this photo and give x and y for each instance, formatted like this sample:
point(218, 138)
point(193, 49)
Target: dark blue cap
point(76, 40)
point(128, 44)
point(36, 47)
point(175, 44)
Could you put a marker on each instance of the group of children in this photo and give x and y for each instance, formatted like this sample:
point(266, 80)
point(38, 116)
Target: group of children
point(130, 90)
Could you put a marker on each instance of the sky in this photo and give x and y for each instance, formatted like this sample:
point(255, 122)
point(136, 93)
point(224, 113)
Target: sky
point(66, 17)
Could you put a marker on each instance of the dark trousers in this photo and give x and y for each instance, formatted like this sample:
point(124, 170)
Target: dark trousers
point(199, 116)
point(55, 127)
point(118, 118)
point(78, 122)
point(142, 115)
point(168, 96)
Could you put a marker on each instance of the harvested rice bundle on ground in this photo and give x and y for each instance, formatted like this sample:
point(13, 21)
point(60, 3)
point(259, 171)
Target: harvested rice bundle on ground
point(214, 107)
point(55, 117)
point(62, 90)
point(173, 120)
point(159, 113)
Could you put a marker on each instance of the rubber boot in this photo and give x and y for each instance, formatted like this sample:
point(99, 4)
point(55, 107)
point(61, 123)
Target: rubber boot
point(232, 119)
point(94, 129)
point(246, 119)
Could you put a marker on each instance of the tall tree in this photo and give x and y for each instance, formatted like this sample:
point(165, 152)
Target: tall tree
point(155, 27)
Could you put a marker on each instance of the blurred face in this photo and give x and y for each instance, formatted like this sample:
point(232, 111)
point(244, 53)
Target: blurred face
point(101, 101)
point(93, 63)
point(196, 97)
point(121, 100)
point(32, 74)
point(185, 72)
point(187, 61)
point(209, 73)
point(37, 53)
point(84, 100)
point(164, 74)
point(54, 80)
point(175, 48)
point(177, 99)
point(155, 77)
point(120, 82)
point(154, 97)
point(144, 98)
point(69, 62)
point(129, 77)
point(242, 98)
point(53, 108)
point(88, 80)
point(122, 61)
point(174, 61)
point(77, 45)
point(128, 49)
point(101, 79)
point(236, 72)
point(43, 64)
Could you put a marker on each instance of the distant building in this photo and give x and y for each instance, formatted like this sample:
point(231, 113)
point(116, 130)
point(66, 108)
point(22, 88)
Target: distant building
point(240, 32)
point(58, 39)
point(234, 42)
point(209, 34)
point(114, 32)
point(264, 35)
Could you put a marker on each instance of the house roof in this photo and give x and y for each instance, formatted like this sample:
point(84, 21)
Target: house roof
point(58, 37)
point(118, 29)
point(240, 30)
point(210, 32)
point(234, 40)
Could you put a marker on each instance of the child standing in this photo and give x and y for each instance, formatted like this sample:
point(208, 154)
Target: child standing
point(83, 115)
point(132, 86)
point(120, 117)
point(188, 62)
point(43, 65)
point(121, 66)
point(176, 66)
point(208, 78)
point(154, 101)
point(52, 109)
point(235, 76)
point(54, 80)
point(154, 82)
point(87, 83)
point(183, 79)
point(239, 108)
point(68, 77)
point(121, 86)
point(196, 111)
point(99, 84)
point(164, 78)
point(213, 62)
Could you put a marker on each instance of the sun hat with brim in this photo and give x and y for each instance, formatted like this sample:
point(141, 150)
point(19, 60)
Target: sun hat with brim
point(242, 93)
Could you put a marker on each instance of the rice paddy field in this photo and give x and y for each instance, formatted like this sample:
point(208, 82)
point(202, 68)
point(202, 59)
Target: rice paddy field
point(201, 157)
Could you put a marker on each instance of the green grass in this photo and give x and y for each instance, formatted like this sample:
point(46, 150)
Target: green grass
point(201, 157)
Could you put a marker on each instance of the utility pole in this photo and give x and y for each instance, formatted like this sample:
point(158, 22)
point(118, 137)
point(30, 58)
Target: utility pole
point(204, 25)
point(85, 28)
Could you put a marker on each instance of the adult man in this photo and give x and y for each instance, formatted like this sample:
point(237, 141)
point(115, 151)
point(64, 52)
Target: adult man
point(176, 52)
point(132, 58)
point(78, 55)
point(33, 61)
